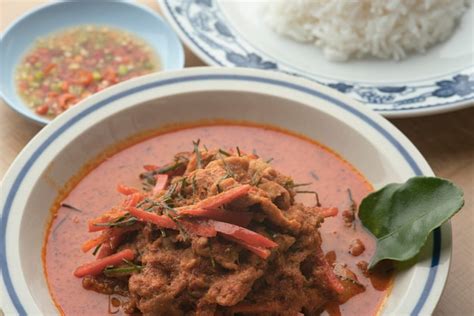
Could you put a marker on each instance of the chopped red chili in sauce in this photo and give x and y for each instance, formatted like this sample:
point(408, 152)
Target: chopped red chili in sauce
point(66, 67)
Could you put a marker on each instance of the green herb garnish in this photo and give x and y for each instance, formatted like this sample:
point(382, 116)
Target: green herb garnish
point(183, 184)
point(168, 168)
point(352, 206)
point(198, 154)
point(229, 172)
point(130, 267)
point(218, 184)
point(96, 249)
point(149, 176)
point(213, 262)
point(256, 178)
point(296, 185)
point(194, 184)
point(167, 210)
point(225, 153)
point(318, 204)
point(120, 222)
point(72, 208)
point(163, 232)
point(116, 272)
point(168, 196)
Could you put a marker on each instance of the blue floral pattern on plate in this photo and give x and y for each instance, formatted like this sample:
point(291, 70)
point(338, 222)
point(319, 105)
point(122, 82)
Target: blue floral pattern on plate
point(203, 23)
point(250, 60)
point(460, 85)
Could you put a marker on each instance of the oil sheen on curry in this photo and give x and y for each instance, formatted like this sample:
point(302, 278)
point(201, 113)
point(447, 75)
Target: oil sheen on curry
point(215, 220)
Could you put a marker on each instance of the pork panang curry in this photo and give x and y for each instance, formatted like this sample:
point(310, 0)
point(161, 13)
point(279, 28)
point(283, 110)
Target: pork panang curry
point(215, 220)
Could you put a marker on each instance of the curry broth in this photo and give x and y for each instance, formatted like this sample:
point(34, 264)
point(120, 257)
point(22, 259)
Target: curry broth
point(301, 158)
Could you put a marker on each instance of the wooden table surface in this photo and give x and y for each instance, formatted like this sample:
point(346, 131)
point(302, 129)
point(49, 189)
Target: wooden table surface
point(445, 140)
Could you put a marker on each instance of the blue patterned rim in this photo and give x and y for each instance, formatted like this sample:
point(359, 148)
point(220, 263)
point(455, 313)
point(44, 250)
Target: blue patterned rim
point(203, 24)
point(168, 82)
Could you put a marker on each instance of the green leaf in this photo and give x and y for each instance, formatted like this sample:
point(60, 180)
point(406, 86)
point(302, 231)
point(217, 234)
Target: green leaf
point(401, 216)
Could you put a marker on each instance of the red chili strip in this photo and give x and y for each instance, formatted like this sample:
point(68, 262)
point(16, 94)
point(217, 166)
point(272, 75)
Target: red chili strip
point(105, 250)
point(126, 190)
point(329, 212)
point(150, 167)
point(109, 216)
point(199, 228)
point(161, 181)
point(132, 200)
point(96, 267)
point(107, 235)
point(259, 251)
point(243, 234)
point(159, 220)
point(331, 278)
point(224, 197)
point(92, 243)
point(232, 217)
point(109, 246)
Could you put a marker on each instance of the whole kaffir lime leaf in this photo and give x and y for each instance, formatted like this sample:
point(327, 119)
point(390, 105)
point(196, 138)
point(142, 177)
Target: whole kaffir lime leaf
point(401, 216)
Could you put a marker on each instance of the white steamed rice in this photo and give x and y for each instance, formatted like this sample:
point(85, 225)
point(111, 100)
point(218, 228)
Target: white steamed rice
point(346, 29)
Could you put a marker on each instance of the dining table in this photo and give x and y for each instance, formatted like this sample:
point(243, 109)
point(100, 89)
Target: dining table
point(446, 140)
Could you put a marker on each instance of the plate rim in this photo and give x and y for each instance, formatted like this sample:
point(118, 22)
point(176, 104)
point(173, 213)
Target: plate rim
point(146, 82)
point(392, 112)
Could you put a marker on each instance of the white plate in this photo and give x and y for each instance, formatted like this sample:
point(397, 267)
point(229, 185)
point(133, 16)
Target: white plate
point(233, 33)
point(368, 141)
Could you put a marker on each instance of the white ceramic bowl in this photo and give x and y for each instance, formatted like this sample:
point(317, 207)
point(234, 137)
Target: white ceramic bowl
point(365, 139)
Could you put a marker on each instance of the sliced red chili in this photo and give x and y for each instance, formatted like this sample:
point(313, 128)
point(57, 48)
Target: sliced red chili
point(232, 217)
point(96, 267)
point(243, 234)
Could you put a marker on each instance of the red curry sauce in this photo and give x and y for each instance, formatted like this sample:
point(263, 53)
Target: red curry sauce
point(300, 158)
